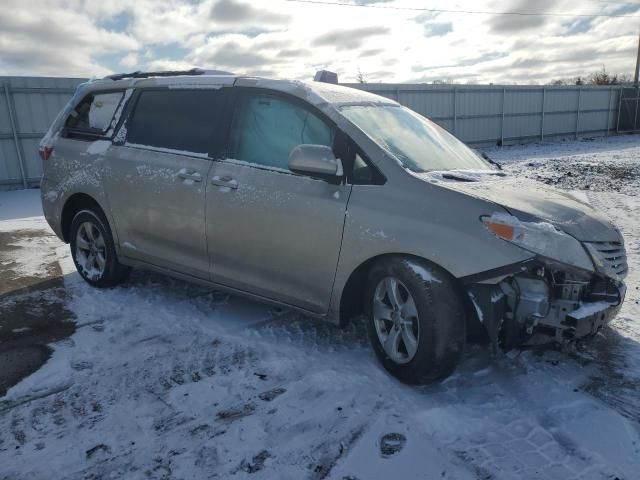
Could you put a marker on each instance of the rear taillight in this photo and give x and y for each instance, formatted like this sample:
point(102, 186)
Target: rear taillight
point(45, 152)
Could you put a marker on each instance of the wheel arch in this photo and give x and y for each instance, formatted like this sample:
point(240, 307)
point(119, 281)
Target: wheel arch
point(75, 203)
point(352, 294)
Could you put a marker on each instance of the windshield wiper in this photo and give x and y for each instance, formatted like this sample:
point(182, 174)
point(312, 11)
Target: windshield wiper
point(451, 176)
point(470, 176)
point(491, 161)
point(487, 158)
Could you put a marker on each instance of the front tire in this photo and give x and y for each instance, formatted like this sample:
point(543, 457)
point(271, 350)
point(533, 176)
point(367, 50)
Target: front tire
point(416, 319)
point(93, 250)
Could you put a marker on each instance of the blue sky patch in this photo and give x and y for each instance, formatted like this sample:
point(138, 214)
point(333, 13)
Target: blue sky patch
point(117, 23)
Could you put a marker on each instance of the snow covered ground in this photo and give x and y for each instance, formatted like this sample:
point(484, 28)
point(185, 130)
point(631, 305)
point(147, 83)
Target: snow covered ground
point(167, 380)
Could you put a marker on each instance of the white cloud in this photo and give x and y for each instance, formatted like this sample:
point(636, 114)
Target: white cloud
point(129, 60)
point(286, 39)
point(48, 39)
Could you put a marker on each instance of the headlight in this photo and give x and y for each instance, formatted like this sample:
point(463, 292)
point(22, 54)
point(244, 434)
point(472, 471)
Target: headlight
point(539, 237)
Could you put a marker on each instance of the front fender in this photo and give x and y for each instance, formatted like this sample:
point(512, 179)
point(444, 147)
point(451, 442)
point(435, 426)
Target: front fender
point(425, 221)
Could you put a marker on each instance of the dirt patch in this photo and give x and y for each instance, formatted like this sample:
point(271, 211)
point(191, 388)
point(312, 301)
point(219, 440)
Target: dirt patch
point(603, 176)
point(271, 394)
point(236, 413)
point(257, 463)
point(20, 362)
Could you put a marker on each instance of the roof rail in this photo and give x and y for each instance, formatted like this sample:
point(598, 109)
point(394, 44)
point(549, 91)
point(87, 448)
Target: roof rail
point(166, 73)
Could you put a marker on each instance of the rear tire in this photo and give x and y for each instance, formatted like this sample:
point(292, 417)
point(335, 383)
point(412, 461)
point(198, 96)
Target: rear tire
point(415, 318)
point(93, 250)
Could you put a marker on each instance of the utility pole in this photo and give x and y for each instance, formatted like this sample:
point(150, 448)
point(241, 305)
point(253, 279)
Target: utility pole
point(635, 79)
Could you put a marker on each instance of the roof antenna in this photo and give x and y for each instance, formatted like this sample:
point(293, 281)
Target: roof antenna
point(326, 76)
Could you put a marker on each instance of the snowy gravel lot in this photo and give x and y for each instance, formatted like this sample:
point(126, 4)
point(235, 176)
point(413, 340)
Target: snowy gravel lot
point(167, 380)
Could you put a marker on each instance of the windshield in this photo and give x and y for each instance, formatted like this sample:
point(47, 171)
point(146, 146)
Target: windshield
point(419, 144)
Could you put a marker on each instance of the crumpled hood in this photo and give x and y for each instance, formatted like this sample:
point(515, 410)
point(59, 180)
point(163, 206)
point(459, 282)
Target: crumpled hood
point(532, 201)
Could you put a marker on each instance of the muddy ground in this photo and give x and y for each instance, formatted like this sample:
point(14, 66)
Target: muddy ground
point(32, 309)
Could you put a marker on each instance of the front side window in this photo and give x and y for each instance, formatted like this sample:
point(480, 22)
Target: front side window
point(180, 120)
point(419, 144)
point(266, 128)
point(95, 112)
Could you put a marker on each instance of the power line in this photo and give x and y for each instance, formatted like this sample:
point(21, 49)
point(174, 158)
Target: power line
point(471, 12)
point(635, 4)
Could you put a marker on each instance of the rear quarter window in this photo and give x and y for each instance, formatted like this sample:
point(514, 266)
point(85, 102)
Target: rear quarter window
point(94, 113)
point(180, 120)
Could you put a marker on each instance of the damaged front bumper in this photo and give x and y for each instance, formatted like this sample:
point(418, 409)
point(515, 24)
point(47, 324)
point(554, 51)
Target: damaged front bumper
point(590, 317)
point(540, 301)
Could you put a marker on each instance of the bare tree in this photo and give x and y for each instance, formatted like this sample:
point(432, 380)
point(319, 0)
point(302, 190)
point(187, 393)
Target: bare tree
point(625, 79)
point(603, 78)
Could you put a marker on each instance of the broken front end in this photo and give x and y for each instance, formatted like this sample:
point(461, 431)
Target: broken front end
point(546, 299)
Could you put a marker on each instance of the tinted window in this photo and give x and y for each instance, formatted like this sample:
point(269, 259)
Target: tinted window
point(265, 129)
point(95, 112)
point(362, 173)
point(184, 120)
point(358, 170)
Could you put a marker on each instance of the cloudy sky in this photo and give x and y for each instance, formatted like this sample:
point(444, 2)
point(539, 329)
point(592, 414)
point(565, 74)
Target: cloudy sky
point(389, 41)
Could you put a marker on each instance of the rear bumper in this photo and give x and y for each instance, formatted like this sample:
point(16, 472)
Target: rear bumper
point(51, 208)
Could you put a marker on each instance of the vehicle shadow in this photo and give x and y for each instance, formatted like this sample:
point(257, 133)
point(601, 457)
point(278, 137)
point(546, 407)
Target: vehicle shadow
point(271, 322)
point(615, 381)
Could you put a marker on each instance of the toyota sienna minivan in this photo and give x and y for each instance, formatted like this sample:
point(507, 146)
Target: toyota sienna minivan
point(329, 200)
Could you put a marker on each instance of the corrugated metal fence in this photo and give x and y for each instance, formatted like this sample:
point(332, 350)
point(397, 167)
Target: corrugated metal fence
point(478, 115)
point(28, 105)
point(500, 115)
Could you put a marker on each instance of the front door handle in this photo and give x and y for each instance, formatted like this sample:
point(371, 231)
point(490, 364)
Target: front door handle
point(190, 175)
point(225, 181)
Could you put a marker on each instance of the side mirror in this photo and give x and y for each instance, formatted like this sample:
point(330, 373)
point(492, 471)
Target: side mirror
point(316, 161)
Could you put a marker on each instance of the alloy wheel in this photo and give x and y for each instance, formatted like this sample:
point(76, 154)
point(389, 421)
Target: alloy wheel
point(91, 251)
point(395, 316)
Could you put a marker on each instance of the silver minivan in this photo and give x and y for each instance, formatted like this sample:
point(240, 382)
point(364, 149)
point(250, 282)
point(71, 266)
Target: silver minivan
point(329, 200)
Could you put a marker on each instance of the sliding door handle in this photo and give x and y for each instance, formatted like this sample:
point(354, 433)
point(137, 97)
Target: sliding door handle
point(190, 175)
point(225, 181)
